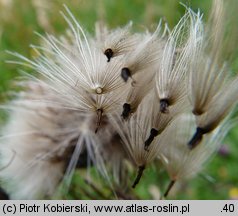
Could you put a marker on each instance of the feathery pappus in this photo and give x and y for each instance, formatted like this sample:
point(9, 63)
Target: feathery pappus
point(118, 101)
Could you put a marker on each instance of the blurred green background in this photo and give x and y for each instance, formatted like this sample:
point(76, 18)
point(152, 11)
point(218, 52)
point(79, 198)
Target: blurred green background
point(20, 18)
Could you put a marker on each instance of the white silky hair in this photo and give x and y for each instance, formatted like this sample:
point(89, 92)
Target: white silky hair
point(212, 90)
point(120, 40)
point(134, 132)
point(76, 103)
point(207, 72)
point(41, 137)
point(27, 175)
point(180, 162)
point(178, 52)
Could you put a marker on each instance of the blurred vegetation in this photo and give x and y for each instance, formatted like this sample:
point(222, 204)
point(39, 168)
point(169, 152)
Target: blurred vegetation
point(19, 19)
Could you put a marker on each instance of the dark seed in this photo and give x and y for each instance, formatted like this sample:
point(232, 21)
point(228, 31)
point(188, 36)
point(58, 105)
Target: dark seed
point(109, 53)
point(139, 175)
point(153, 134)
point(171, 184)
point(198, 112)
point(99, 119)
point(126, 110)
point(164, 104)
point(197, 138)
point(125, 74)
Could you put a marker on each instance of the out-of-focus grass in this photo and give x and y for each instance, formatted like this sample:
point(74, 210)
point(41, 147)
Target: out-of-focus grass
point(20, 18)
